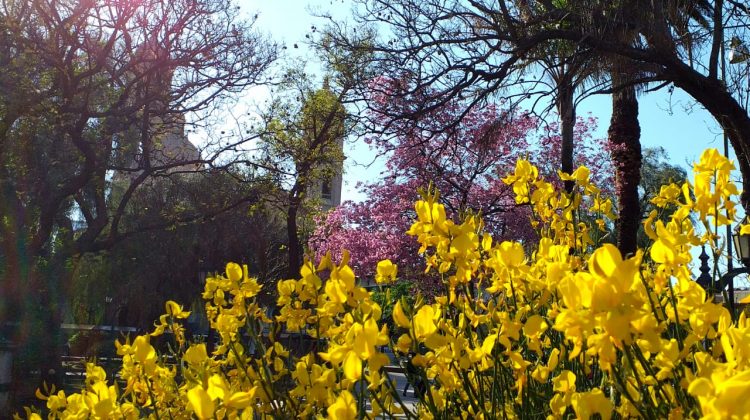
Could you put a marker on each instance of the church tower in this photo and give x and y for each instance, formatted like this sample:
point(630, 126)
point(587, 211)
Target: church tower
point(168, 143)
point(325, 105)
point(329, 190)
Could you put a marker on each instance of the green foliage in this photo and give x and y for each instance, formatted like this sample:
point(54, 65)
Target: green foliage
point(564, 331)
point(402, 291)
point(138, 279)
point(90, 284)
point(304, 136)
point(656, 171)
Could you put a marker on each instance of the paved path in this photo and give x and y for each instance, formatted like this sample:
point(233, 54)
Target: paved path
point(399, 380)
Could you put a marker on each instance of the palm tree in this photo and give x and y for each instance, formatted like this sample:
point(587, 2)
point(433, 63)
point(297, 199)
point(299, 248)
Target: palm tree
point(624, 136)
point(624, 130)
point(568, 70)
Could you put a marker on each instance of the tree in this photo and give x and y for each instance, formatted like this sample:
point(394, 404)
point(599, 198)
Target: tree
point(91, 90)
point(566, 73)
point(625, 141)
point(569, 72)
point(466, 165)
point(476, 49)
point(305, 146)
point(138, 280)
point(656, 171)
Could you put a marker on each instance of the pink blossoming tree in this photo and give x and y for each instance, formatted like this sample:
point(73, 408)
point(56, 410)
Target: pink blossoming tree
point(466, 164)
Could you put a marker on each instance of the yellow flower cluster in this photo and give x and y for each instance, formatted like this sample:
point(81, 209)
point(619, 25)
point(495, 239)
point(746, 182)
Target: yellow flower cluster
point(568, 327)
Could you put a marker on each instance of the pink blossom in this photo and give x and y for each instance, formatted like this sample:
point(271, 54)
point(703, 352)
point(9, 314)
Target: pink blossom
point(466, 164)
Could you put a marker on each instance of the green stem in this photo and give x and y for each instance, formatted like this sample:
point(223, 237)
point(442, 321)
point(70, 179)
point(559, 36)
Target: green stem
point(624, 391)
point(644, 395)
point(153, 398)
point(676, 317)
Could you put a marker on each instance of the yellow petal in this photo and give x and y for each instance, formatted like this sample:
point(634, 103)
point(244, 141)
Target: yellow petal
point(400, 317)
point(386, 271)
point(143, 350)
point(662, 253)
point(535, 325)
point(203, 406)
point(424, 323)
point(489, 344)
point(234, 272)
point(353, 366)
point(604, 261)
point(564, 382)
point(586, 404)
point(240, 400)
point(196, 354)
point(404, 343)
point(217, 387)
point(344, 408)
point(511, 254)
point(486, 242)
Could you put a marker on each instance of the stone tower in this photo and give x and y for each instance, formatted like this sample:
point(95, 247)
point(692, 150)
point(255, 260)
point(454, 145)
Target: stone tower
point(169, 143)
point(328, 191)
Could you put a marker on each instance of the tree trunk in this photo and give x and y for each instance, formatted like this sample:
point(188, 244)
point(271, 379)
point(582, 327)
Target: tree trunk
point(35, 332)
point(14, 255)
point(624, 141)
point(566, 109)
point(294, 247)
point(708, 91)
point(37, 280)
point(47, 312)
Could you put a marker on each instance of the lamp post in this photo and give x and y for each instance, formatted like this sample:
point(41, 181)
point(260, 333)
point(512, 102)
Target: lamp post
point(742, 243)
point(738, 53)
point(705, 279)
point(742, 247)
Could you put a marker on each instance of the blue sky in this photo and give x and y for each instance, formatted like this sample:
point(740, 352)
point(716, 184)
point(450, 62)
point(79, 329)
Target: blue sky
point(674, 122)
point(684, 129)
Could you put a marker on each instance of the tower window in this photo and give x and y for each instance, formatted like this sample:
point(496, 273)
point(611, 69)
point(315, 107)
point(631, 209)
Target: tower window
point(325, 190)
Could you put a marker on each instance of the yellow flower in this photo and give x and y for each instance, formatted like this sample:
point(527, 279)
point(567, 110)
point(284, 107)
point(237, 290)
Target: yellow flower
point(613, 277)
point(533, 329)
point(400, 317)
point(366, 337)
point(196, 354)
point(201, 402)
point(386, 272)
point(580, 176)
point(424, 323)
point(175, 310)
point(668, 194)
point(57, 402)
point(510, 254)
point(352, 366)
point(671, 246)
point(233, 272)
point(565, 382)
point(218, 387)
point(524, 174)
point(586, 404)
point(484, 351)
point(344, 408)
point(564, 386)
point(404, 343)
